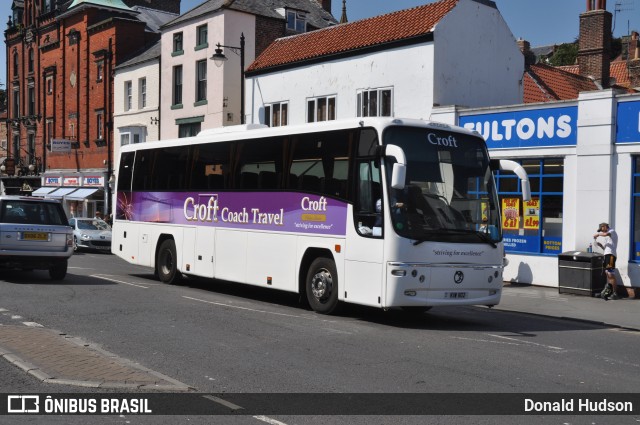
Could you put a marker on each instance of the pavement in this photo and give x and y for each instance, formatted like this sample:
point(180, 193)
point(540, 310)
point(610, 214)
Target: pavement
point(56, 358)
point(544, 301)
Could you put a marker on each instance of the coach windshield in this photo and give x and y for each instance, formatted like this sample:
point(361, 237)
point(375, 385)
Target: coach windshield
point(449, 192)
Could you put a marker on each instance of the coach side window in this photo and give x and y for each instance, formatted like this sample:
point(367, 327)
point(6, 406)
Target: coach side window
point(320, 163)
point(210, 166)
point(260, 164)
point(125, 172)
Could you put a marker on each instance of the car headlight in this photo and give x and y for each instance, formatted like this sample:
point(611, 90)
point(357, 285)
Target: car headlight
point(85, 237)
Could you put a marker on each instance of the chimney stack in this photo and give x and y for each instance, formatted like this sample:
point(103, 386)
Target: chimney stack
point(594, 45)
point(525, 48)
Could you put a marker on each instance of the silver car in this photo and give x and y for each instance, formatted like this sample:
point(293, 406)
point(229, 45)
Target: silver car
point(34, 234)
point(91, 233)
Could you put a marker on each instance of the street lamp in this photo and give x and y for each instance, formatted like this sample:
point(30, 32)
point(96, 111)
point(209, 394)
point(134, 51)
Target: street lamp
point(219, 58)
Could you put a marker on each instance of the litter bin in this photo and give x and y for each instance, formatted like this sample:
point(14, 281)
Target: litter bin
point(580, 273)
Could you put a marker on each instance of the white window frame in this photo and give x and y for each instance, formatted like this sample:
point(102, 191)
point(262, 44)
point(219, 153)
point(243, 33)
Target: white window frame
point(142, 97)
point(125, 138)
point(296, 21)
point(313, 114)
point(268, 114)
point(128, 95)
point(133, 134)
point(363, 109)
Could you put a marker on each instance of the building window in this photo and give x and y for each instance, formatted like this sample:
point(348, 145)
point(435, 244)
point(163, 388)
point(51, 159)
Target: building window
point(142, 96)
point(189, 130)
point(177, 44)
point(99, 71)
point(31, 60)
point(100, 124)
point(31, 147)
point(74, 37)
point(374, 103)
point(134, 134)
point(276, 114)
point(125, 138)
point(16, 68)
point(16, 146)
point(534, 226)
point(321, 109)
point(296, 21)
point(49, 85)
point(177, 85)
point(16, 103)
point(49, 134)
point(128, 95)
point(31, 93)
point(201, 37)
point(201, 77)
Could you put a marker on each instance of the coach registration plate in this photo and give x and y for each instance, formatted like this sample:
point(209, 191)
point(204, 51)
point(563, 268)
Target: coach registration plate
point(457, 295)
point(35, 236)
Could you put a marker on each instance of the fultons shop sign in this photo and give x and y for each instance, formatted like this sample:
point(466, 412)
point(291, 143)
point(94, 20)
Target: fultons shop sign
point(526, 128)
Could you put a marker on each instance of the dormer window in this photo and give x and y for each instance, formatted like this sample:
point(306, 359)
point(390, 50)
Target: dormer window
point(296, 21)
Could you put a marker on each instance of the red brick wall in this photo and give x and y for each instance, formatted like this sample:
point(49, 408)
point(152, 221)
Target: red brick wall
point(594, 45)
point(76, 93)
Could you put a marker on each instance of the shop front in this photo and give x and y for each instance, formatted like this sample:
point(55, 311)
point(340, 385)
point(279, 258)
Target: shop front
point(583, 161)
point(81, 194)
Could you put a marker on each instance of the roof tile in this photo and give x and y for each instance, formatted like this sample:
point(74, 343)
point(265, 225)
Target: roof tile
point(544, 83)
point(341, 38)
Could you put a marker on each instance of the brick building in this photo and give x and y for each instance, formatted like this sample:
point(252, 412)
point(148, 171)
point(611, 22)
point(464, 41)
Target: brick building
point(60, 60)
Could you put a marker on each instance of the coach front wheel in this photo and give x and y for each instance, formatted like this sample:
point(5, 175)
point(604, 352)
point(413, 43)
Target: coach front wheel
point(322, 285)
point(166, 263)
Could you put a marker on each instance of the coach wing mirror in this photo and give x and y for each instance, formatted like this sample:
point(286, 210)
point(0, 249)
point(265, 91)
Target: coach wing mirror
point(399, 173)
point(505, 164)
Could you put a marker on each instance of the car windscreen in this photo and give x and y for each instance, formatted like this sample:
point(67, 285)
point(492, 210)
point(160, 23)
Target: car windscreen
point(29, 212)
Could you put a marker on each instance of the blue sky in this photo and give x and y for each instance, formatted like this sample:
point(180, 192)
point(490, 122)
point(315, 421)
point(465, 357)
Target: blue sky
point(541, 22)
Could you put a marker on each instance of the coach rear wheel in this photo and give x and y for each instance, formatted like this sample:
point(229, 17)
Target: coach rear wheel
point(322, 286)
point(166, 264)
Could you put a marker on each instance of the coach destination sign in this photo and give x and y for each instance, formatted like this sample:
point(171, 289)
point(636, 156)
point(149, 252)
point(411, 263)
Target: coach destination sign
point(526, 128)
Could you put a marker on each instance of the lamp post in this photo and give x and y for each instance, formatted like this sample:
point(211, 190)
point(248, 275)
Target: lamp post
point(219, 58)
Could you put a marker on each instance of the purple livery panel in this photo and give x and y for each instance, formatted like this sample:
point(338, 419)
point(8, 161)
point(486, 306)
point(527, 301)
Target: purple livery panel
point(281, 211)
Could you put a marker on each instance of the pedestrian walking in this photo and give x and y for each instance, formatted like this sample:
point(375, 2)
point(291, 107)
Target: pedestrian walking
point(607, 239)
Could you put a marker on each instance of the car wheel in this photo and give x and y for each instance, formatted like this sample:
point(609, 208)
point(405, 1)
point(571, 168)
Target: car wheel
point(167, 263)
point(322, 285)
point(75, 244)
point(58, 271)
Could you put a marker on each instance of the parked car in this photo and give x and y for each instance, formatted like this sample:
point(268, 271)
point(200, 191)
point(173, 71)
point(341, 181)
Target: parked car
point(91, 233)
point(34, 234)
